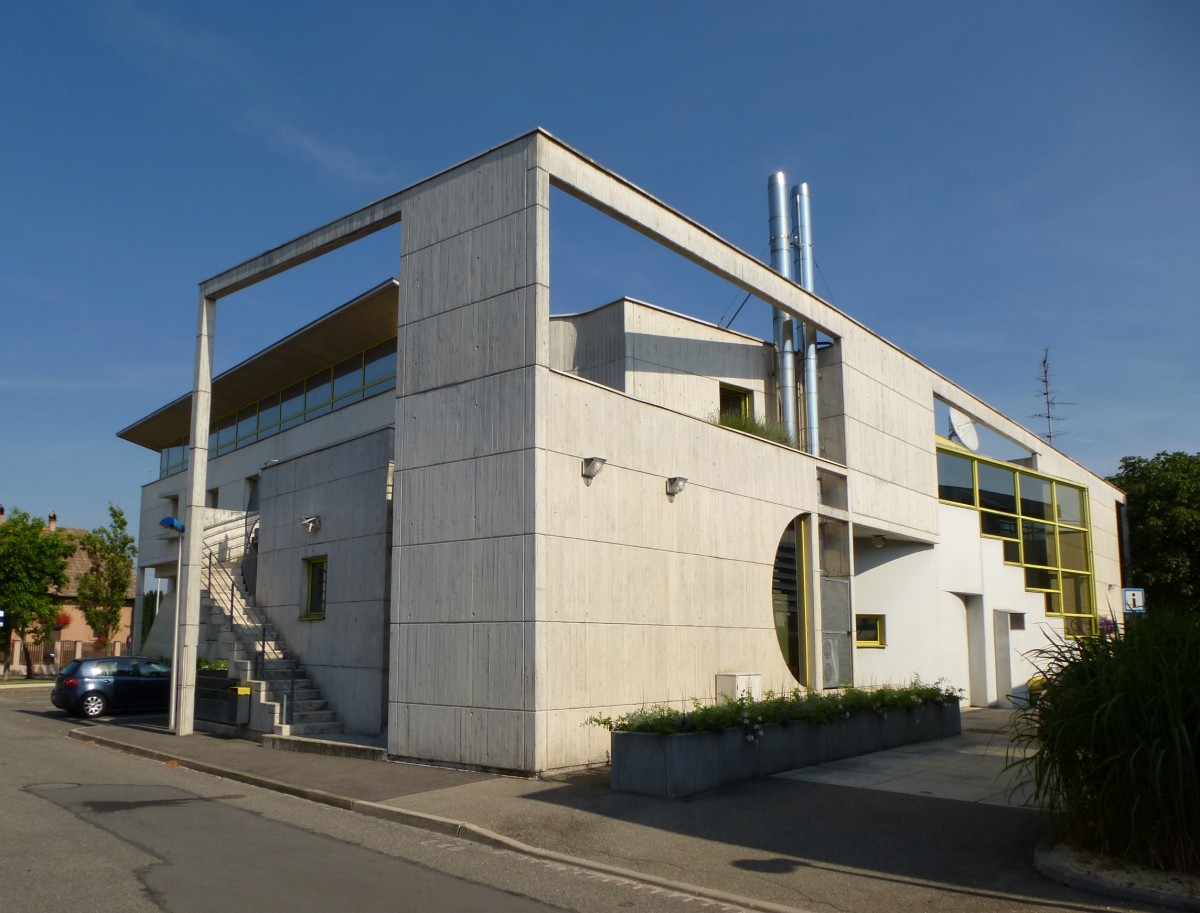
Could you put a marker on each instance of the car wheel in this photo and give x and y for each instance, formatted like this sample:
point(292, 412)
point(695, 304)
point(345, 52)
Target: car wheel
point(92, 705)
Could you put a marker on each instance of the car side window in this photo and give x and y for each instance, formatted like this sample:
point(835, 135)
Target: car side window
point(156, 670)
point(105, 667)
point(125, 668)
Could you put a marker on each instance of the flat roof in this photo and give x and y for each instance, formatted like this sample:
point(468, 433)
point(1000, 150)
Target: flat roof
point(354, 326)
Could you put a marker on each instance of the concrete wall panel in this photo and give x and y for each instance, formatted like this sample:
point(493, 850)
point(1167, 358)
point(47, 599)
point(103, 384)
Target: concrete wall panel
point(485, 262)
point(483, 417)
point(479, 664)
point(432, 587)
point(459, 735)
point(482, 191)
point(465, 500)
point(463, 344)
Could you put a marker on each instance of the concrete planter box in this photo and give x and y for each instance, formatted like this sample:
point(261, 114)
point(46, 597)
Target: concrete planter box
point(691, 762)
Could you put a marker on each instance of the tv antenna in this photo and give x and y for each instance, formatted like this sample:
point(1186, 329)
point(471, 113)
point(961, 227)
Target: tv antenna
point(1049, 397)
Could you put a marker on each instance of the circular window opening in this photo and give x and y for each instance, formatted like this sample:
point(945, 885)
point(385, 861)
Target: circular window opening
point(787, 598)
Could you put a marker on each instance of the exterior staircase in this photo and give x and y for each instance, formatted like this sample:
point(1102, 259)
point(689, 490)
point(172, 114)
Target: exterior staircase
point(283, 700)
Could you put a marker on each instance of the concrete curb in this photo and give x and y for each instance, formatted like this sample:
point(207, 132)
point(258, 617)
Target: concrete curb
point(1055, 870)
point(427, 822)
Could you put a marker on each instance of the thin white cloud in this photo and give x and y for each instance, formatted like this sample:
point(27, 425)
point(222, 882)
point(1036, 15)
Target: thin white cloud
point(290, 137)
point(231, 80)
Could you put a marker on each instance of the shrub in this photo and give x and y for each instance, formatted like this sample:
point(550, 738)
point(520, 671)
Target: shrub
point(1113, 745)
point(771, 431)
point(798, 704)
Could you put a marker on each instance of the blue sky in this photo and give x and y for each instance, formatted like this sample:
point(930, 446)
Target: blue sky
point(988, 180)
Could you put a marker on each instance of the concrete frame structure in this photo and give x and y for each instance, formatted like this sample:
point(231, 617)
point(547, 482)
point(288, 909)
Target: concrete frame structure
point(525, 598)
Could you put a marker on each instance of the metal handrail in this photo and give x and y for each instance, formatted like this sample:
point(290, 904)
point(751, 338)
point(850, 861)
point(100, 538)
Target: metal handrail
point(218, 577)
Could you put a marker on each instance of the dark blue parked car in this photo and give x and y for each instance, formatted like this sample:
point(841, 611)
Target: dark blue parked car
point(92, 687)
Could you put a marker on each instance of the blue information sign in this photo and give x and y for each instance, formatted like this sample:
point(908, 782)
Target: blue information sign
point(1135, 599)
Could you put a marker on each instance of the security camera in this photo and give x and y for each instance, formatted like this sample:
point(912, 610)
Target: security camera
point(312, 524)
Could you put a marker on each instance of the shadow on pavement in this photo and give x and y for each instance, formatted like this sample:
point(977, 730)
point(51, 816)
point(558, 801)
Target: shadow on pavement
point(799, 829)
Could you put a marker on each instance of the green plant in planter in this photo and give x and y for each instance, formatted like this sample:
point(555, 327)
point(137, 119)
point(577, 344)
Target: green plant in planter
point(796, 705)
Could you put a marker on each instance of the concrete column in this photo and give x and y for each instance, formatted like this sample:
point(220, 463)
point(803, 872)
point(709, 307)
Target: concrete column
point(188, 600)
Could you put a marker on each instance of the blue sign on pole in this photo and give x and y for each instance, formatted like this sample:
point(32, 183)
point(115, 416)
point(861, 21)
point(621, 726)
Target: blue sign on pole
point(1135, 599)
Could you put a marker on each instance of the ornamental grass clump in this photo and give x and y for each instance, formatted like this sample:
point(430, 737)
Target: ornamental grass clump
point(793, 706)
point(1113, 745)
point(771, 431)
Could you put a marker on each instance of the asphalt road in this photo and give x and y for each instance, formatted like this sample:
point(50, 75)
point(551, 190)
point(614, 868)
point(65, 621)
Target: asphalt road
point(82, 827)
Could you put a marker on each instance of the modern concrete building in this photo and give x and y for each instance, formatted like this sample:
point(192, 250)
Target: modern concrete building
point(474, 524)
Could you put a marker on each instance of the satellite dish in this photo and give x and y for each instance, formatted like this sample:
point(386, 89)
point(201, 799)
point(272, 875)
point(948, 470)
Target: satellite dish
point(962, 429)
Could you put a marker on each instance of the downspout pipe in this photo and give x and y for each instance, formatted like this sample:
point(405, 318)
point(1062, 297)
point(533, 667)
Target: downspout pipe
point(808, 334)
point(782, 324)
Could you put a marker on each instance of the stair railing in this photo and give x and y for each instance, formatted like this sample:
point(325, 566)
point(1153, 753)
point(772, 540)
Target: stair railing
point(223, 550)
point(227, 547)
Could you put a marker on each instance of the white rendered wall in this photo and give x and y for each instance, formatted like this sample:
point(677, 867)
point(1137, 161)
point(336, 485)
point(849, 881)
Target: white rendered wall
point(947, 613)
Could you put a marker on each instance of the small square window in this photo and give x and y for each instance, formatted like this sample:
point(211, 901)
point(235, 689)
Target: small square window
point(1016, 621)
point(735, 402)
point(869, 631)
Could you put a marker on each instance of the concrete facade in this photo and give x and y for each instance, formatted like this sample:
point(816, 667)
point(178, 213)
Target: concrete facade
point(520, 598)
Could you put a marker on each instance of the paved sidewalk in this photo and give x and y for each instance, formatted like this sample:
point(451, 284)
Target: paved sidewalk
point(877, 833)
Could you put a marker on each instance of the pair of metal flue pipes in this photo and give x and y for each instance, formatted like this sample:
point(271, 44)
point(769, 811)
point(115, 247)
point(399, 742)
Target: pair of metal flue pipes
point(791, 254)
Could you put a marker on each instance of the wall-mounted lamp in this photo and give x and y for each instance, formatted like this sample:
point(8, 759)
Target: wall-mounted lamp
point(591, 468)
point(675, 485)
point(312, 523)
point(877, 541)
point(269, 463)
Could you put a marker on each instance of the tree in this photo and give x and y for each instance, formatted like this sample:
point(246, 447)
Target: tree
point(1164, 527)
point(102, 588)
point(33, 566)
point(150, 604)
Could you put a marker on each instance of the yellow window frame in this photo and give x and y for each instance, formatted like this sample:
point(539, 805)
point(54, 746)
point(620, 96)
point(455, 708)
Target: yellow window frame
point(879, 640)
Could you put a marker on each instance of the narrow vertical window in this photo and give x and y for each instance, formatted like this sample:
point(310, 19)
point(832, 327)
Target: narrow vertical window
point(316, 571)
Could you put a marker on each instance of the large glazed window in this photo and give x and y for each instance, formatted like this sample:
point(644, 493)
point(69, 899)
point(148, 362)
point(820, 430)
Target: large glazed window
point(356, 378)
point(1042, 523)
point(787, 599)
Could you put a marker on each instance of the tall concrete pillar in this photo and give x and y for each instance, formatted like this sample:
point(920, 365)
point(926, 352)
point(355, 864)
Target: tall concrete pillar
point(188, 632)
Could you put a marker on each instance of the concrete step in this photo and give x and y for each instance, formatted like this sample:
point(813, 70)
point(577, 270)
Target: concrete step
point(299, 695)
point(332, 747)
point(275, 677)
point(300, 718)
point(308, 729)
point(309, 705)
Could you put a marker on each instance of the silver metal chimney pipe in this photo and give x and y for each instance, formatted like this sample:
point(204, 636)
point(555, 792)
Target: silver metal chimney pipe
point(785, 344)
point(808, 335)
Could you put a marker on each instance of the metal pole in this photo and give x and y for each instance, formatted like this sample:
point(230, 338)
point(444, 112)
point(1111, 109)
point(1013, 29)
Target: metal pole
point(808, 334)
point(784, 331)
point(175, 637)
